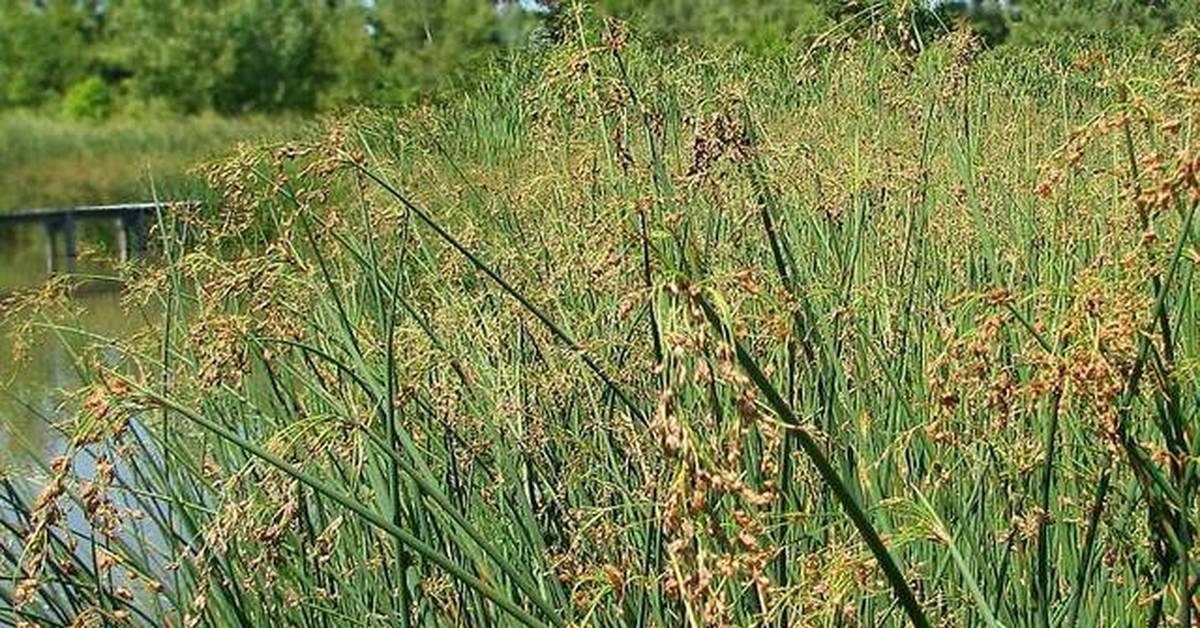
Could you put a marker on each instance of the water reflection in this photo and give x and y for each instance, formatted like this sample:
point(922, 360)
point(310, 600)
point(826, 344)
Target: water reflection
point(33, 386)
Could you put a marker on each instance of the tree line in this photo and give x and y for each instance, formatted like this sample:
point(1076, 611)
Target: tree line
point(234, 56)
point(238, 56)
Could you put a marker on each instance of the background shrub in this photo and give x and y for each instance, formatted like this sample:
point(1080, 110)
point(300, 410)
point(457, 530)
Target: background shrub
point(89, 99)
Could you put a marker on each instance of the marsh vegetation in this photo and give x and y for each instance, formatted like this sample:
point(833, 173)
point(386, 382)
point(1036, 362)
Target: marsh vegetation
point(646, 336)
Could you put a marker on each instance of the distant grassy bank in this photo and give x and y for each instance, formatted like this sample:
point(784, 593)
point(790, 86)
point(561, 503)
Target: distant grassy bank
point(48, 161)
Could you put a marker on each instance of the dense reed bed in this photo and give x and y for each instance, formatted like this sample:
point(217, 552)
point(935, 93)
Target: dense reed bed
point(649, 339)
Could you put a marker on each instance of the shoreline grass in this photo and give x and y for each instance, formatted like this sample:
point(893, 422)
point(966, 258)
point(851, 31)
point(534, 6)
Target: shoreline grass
point(56, 162)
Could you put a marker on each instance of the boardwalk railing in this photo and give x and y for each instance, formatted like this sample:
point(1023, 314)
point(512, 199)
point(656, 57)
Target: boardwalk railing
point(132, 222)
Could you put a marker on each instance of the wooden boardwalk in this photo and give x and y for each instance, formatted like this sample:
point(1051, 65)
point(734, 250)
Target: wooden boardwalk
point(132, 222)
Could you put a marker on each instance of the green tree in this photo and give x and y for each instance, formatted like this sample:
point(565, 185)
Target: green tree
point(43, 48)
point(228, 55)
point(430, 43)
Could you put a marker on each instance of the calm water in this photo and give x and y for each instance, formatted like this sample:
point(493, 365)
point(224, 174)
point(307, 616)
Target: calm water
point(32, 390)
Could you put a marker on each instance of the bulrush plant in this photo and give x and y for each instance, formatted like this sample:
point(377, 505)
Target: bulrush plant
point(633, 339)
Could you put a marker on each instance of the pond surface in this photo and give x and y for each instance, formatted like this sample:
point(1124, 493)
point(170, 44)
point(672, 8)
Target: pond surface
point(32, 386)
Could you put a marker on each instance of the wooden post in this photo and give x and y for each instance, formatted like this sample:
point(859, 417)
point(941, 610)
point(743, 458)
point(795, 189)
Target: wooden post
point(137, 231)
point(122, 240)
point(51, 246)
point(69, 240)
